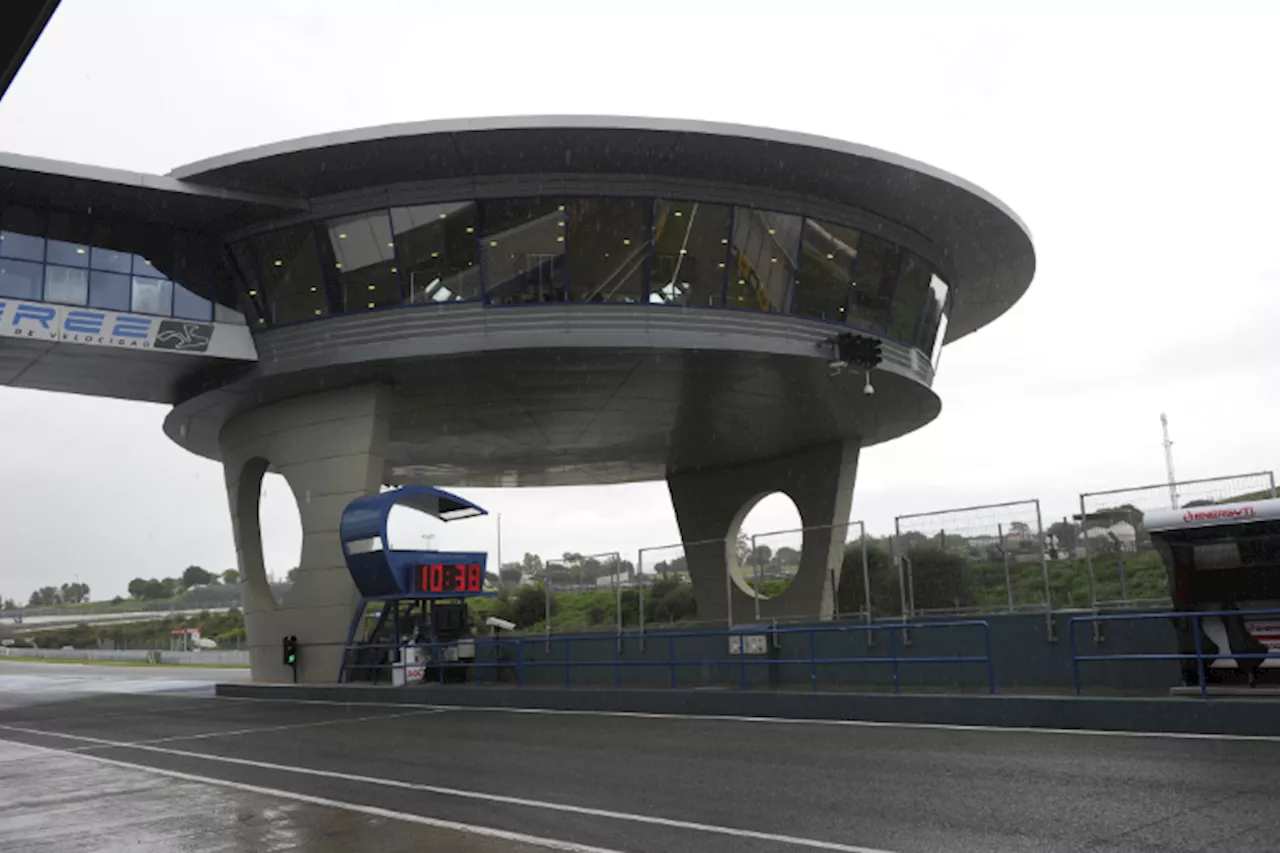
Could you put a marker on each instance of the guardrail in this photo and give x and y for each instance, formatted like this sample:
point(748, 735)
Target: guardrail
point(1198, 655)
point(521, 662)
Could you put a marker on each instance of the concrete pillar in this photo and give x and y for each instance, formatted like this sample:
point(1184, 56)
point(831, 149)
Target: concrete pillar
point(330, 448)
point(711, 503)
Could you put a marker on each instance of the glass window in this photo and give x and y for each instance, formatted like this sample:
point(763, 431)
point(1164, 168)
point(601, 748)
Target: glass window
point(68, 240)
point(288, 269)
point(608, 248)
point(364, 261)
point(195, 270)
point(436, 252)
point(66, 284)
point(109, 290)
point(20, 279)
point(764, 247)
point(690, 253)
point(874, 273)
point(192, 303)
point(934, 326)
point(830, 255)
point(522, 249)
point(152, 296)
point(22, 233)
point(909, 299)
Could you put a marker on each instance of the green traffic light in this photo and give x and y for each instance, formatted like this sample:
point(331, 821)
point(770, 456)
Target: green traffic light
point(293, 658)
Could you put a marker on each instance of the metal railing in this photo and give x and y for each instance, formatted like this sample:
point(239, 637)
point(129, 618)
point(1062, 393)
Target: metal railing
point(1198, 655)
point(521, 662)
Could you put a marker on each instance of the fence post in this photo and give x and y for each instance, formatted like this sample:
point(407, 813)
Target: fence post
point(813, 660)
point(1004, 558)
point(728, 587)
point(1200, 674)
point(546, 593)
point(1044, 572)
point(671, 658)
point(755, 559)
point(1271, 475)
point(1088, 561)
point(640, 590)
point(617, 600)
point(893, 654)
point(1075, 659)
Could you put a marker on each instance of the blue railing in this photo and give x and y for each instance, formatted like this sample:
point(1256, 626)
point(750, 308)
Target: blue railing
point(513, 654)
point(1198, 655)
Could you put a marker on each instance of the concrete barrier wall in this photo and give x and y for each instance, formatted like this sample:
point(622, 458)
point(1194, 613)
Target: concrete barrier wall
point(1198, 716)
point(214, 657)
point(1024, 657)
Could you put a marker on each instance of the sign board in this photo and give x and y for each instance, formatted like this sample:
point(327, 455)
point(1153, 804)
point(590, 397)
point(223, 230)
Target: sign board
point(1160, 520)
point(39, 321)
point(757, 644)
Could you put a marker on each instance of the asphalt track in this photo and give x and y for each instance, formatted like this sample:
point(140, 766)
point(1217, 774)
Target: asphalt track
point(166, 764)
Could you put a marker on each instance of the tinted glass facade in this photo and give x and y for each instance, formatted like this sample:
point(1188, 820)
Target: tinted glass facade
point(498, 252)
point(63, 258)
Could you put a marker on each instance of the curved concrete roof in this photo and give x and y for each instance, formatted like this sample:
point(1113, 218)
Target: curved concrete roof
point(989, 248)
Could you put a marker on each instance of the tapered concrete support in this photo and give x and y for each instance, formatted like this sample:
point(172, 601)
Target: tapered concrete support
point(330, 449)
point(711, 503)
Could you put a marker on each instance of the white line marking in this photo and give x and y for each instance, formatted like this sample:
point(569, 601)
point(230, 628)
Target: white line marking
point(790, 721)
point(286, 727)
point(734, 832)
point(374, 811)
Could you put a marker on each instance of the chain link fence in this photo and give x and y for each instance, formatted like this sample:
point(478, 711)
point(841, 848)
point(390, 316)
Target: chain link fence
point(1122, 567)
point(978, 559)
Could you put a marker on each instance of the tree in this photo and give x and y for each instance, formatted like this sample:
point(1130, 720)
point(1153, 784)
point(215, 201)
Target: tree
point(231, 577)
point(939, 579)
point(196, 576)
point(73, 593)
point(785, 556)
point(45, 596)
point(510, 574)
point(292, 575)
point(531, 564)
point(138, 588)
point(1064, 534)
point(761, 555)
point(530, 606)
point(9, 604)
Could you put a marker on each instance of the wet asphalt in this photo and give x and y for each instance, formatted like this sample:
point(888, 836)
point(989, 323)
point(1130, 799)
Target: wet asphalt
point(83, 767)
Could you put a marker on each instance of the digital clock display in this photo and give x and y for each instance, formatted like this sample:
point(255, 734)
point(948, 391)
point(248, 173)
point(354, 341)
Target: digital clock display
point(460, 578)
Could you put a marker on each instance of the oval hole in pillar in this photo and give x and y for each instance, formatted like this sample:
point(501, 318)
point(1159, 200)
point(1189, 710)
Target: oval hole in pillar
point(281, 524)
point(775, 523)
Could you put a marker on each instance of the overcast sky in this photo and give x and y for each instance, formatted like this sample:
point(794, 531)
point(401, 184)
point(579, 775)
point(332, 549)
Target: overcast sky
point(1141, 150)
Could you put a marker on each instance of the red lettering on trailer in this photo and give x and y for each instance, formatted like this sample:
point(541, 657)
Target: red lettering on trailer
point(1215, 514)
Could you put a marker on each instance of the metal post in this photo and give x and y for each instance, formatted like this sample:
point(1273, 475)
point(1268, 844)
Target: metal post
point(1271, 476)
point(835, 596)
point(499, 549)
point(1088, 561)
point(640, 590)
point(1195, 628)
point(866, 570)
point(546, 592)
point(1075, 659)
point(1004, 557)
point(728, 589)
point(1124, 588)
point(1044, 571)
point(755, 559)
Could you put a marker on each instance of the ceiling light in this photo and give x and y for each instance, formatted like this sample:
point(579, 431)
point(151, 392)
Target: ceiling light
point(146, 261)
point(626, 241)
point(561, 223)
point(444, 216)
point(493, 244)
point(721, 265)
point(279, 262)
point(261, 321)
point(773, 231)
point(830, 256)
point(724, 241)
point(678, 213)
point(773, 260)
point(393, 269)
point(313, 289)
point(470, 230)
point(435, 254)
point(79, 251)
point(339, 266)
point(370, 304)
point(253, 293)
point(684, 251)
point(373, 287)
point(342, 236)
point(561, 207)
point(742, 281)
point(560, 239)
point(317, 312)
point(391, 245)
